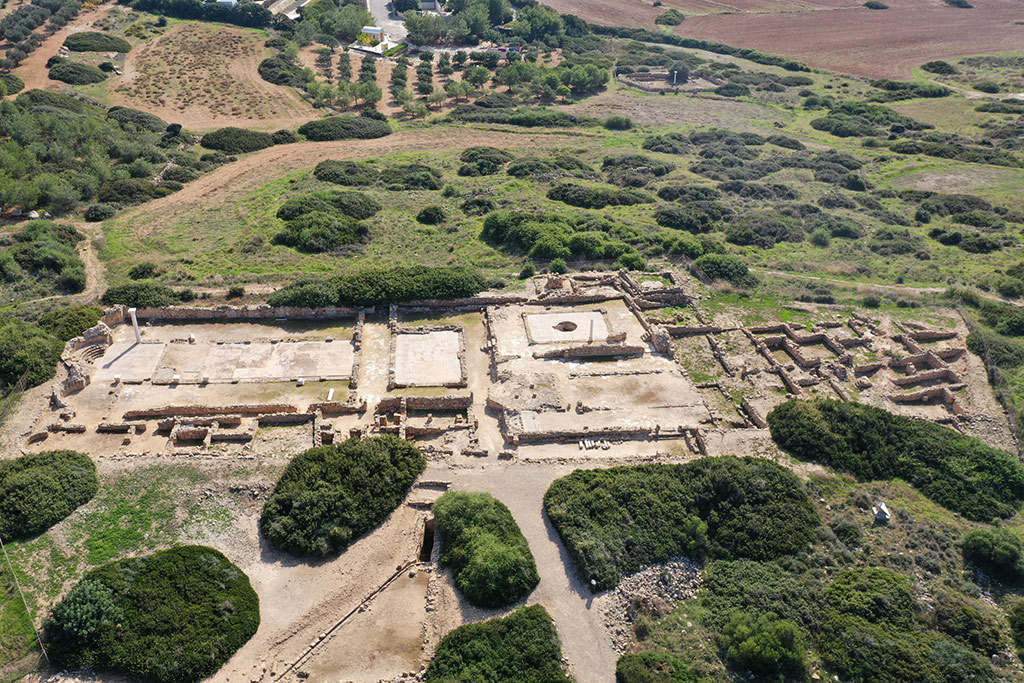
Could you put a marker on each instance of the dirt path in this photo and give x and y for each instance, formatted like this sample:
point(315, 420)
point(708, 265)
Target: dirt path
point(95, 272)
point(33, 70)
point(228, 184)
point(585, 641)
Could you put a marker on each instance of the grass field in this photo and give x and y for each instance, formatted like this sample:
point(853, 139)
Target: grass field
point(18, 648)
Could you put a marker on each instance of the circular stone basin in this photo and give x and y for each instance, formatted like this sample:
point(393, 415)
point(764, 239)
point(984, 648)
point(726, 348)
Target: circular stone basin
point(565, 326)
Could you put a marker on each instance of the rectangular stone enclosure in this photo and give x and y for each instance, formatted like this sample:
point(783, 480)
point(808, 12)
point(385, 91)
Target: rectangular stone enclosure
point(428, 359)
point(566, 326)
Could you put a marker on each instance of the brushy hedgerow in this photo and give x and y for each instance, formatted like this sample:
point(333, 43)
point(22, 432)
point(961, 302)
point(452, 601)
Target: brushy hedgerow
point(483, 545)
point(174, 616)
point(620, 520)
point(961, 473)
point(377, 286)
point(40, 489)
point(329, 496)
point(520, 648)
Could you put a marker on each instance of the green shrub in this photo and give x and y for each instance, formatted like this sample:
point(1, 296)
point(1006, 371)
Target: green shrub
point(140, 119)
point(100, 212)
point(232, 140)
point(145, 294)
point(171, 617)
point(868, 633)
point(40, 489)
point(327, 497)
point(26, 351)
point(725, 267)
point(1015, 615)
point(618, 123)
point(771, 648)
point(350, 173)
point(967, 624)
point(523, 646)
point(68, 323)
point(669, 143)
point(411, 177)
point(875, 4)
point(481, 542)
point(996, 552)
point(653, 667)
point(377, 286)
point(589, 197)
point(558, 266)
point(732, 90)
point(317, 232)
point(281, 71)
point(93, 41)
point(671, 17)
point(131, 191)
point(12, 82)
point(431, 215)
point(995, 349)
point(236, 292)
point(758, 588)
point(284, 137)
point(45, 251)
point(958, 472)
point(344, 128)
point(354, 204)
point(938, 67)
point(481, 161)
point(987, 87)
point(622, 519)
point(76, 73)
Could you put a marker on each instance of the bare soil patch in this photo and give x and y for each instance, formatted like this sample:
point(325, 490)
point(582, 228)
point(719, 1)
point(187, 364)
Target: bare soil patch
point(204, 76)
point(840, 37)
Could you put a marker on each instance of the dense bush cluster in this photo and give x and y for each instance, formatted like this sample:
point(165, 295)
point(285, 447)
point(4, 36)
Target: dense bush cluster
point(527, 117)
point(488, 554)
point(868, 632)
point(76, 73)
point(523, 646)
point(411, 177)
point(171, 617)
point(726, 267)
point(959, 472)
point(40, 489)
point(653, 667)
point(329, 496)
point(552, 236)
point(634, 170)
point(480, 161)
point(68, 323)
point(345, 128)
point(997, 552)
point(543, 168)
point(350, 173)
point(27, 353)
point(594, 197)
point(145, 294)
point(93, 41)
point(43, 252)
point(317, 232)
point(356, 205)
point(232, 140)
point(140, 119)
point(622, 519)
point(377, 286)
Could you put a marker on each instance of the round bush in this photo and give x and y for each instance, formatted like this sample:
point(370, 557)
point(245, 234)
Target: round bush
point(618, 123)
point(40, 489)
point(329, 496)
point(139, 119)
point(490, 558)
point(234, 140)
point(100, 212)
point(431, 215)
point(350, 173)
point(141, 295)
point(76, 73)
point(93, 41)
point(171, 617)
point(344, 128)
point(67, 323)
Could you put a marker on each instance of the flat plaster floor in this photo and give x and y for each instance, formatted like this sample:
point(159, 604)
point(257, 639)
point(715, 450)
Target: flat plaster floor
point(428, 360)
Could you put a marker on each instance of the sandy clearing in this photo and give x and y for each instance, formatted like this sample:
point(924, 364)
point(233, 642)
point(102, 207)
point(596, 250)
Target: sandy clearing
point(33, 70)
point(230, 183)
point(199, 104)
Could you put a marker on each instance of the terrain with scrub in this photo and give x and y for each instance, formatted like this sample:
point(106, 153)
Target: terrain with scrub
point(869, 196)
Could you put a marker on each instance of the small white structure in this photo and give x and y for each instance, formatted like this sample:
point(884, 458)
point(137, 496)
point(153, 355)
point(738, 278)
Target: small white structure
point(229, 3)
point(881, 512)
point(375, 33)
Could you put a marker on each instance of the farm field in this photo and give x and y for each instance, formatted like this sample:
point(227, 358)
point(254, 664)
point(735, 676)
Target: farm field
point(845, 38)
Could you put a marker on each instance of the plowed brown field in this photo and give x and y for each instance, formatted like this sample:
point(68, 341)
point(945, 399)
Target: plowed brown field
point(832, 34)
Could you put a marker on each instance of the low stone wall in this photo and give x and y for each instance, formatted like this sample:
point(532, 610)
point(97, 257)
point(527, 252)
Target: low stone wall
point(934, 394)
point(593, 351)
point(242, 313)
point(204, 411)
point(337, 407)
